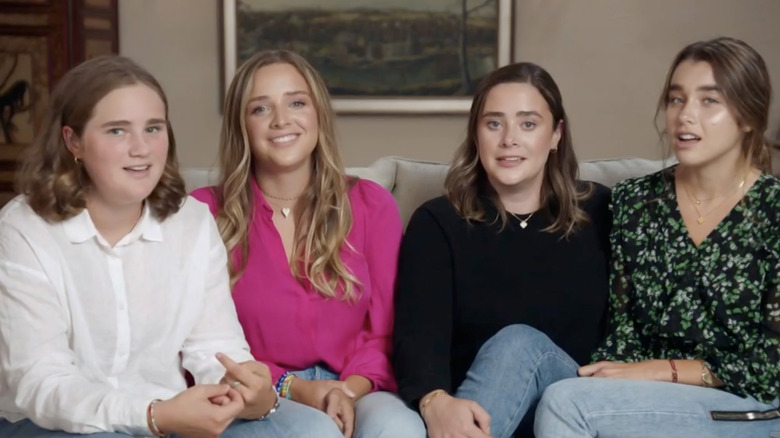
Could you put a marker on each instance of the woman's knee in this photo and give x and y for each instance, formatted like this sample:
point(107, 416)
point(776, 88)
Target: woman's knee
point(291, 419)
point(519, 339)
point(383, 414)
point(562, 398)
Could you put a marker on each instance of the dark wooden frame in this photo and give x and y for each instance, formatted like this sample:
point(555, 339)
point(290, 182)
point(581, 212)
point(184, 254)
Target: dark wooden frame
point(72, 31)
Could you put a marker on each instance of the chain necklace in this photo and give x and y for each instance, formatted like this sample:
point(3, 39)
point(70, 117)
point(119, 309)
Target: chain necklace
point(284, 210)
point(695, 202)
point(523, 222)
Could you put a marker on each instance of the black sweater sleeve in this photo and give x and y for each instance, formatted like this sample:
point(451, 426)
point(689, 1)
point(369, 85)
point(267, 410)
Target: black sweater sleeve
point(422, 336)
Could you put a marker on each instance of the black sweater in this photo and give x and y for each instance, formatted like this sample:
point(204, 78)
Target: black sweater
point(459, 284)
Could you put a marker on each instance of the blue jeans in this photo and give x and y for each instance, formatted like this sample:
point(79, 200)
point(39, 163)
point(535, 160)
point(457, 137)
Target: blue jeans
point(377, 415)
point(282, 424)
point(380, 414)
point(510, 373)
point(589, 407)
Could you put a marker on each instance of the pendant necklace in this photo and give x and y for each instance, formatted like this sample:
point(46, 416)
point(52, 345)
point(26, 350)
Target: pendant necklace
point(284, 210)
point(523, 222)
point(695, 202)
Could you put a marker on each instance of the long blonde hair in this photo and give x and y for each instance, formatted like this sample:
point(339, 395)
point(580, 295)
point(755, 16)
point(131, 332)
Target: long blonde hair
point(325, 216)
point(55, 185)
point(467, 180)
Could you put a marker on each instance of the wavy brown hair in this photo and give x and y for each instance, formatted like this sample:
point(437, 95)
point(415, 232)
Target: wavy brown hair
point(55, 185)
point(560, 195)
point(741, 74)
point(325, 215)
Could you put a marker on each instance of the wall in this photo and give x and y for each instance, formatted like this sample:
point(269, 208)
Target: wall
point(609, 58)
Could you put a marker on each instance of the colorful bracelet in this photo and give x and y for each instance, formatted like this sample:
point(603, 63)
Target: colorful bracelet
point(284, 390)
point(150, 419)
point(279, 382)
point(674, 371)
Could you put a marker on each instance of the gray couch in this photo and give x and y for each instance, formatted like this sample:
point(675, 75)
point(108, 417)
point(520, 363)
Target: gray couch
point(413, 182)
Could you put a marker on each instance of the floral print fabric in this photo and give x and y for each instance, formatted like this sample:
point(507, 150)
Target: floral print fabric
point(718, 302)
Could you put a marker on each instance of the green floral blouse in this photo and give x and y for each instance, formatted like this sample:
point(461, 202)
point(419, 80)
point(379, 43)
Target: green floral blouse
point(719, 302)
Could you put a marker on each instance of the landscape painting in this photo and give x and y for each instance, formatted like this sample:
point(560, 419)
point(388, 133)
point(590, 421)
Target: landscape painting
point(380, 55)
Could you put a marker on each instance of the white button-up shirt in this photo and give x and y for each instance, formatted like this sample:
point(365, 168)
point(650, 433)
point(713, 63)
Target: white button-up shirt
point(90, 334)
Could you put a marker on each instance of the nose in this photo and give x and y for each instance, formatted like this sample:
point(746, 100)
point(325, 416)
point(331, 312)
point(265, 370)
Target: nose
point(509, 138)
point(139, 145)
point(687, 113)
point(280, 117)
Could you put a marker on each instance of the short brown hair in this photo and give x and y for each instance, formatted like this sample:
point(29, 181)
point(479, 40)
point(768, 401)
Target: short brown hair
point(55, 185)
point(560, 197)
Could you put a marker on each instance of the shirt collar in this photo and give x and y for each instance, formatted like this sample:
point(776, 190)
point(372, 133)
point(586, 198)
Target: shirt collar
point(80, 228)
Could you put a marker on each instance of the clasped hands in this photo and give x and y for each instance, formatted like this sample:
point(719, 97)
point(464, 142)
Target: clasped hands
point(205, 411)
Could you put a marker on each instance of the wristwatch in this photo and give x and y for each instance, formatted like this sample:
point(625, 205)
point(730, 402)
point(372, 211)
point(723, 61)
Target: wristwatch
point(707, 378)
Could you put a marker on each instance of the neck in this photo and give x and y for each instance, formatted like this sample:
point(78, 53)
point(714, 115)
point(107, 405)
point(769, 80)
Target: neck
point(114, 222)
point(288, 185)
point(713, 180)
point(521, 200)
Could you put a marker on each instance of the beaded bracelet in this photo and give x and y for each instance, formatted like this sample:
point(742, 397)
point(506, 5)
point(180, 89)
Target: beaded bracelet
point(279, 382)
point(284, 390)
point(150, 419)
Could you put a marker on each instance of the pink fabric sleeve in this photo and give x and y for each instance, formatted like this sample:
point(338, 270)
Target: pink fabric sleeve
point(383, 231)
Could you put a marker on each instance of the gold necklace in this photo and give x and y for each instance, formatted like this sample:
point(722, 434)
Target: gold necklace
point(284, 210)
point(695, 202)
point(523, 222)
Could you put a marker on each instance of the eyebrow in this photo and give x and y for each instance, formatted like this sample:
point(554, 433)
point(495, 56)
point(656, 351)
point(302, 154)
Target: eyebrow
point(289, 93)
point(517, 114)
point(127, 123)
point(705, 88)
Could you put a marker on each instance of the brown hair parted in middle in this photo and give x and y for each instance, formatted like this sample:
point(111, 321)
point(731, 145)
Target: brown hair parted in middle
point(560, 195)
point(54, 183)
point(742, 77)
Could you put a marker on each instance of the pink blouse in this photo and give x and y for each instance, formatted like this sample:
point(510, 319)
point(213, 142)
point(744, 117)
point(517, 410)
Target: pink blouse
point(290, 326)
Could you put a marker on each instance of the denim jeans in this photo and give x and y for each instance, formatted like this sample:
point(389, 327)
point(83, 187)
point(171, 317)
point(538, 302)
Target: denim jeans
point(284, 423)
point(510, 373)
point(589, 407)
point(377, 415)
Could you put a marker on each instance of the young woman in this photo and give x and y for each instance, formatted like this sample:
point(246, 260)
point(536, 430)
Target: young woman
point(112, 282)
point(695, 301)
point(502, 284)
point(314, 252)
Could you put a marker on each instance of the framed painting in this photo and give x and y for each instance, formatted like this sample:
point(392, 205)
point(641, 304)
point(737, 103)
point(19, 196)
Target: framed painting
point(39, 41)
point(381, 56)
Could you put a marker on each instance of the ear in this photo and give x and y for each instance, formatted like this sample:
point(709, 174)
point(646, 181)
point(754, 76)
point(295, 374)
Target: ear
point(71, 141)
point(556, 137)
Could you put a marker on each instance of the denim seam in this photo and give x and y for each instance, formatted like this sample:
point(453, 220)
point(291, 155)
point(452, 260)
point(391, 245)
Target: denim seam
point(536, 364)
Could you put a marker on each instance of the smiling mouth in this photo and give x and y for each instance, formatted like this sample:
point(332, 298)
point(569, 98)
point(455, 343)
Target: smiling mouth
point(511, 159)
point(138, 168)
point(284, 139)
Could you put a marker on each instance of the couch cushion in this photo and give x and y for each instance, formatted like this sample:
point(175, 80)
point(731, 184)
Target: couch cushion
point(611, 172)
point(413, 182)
